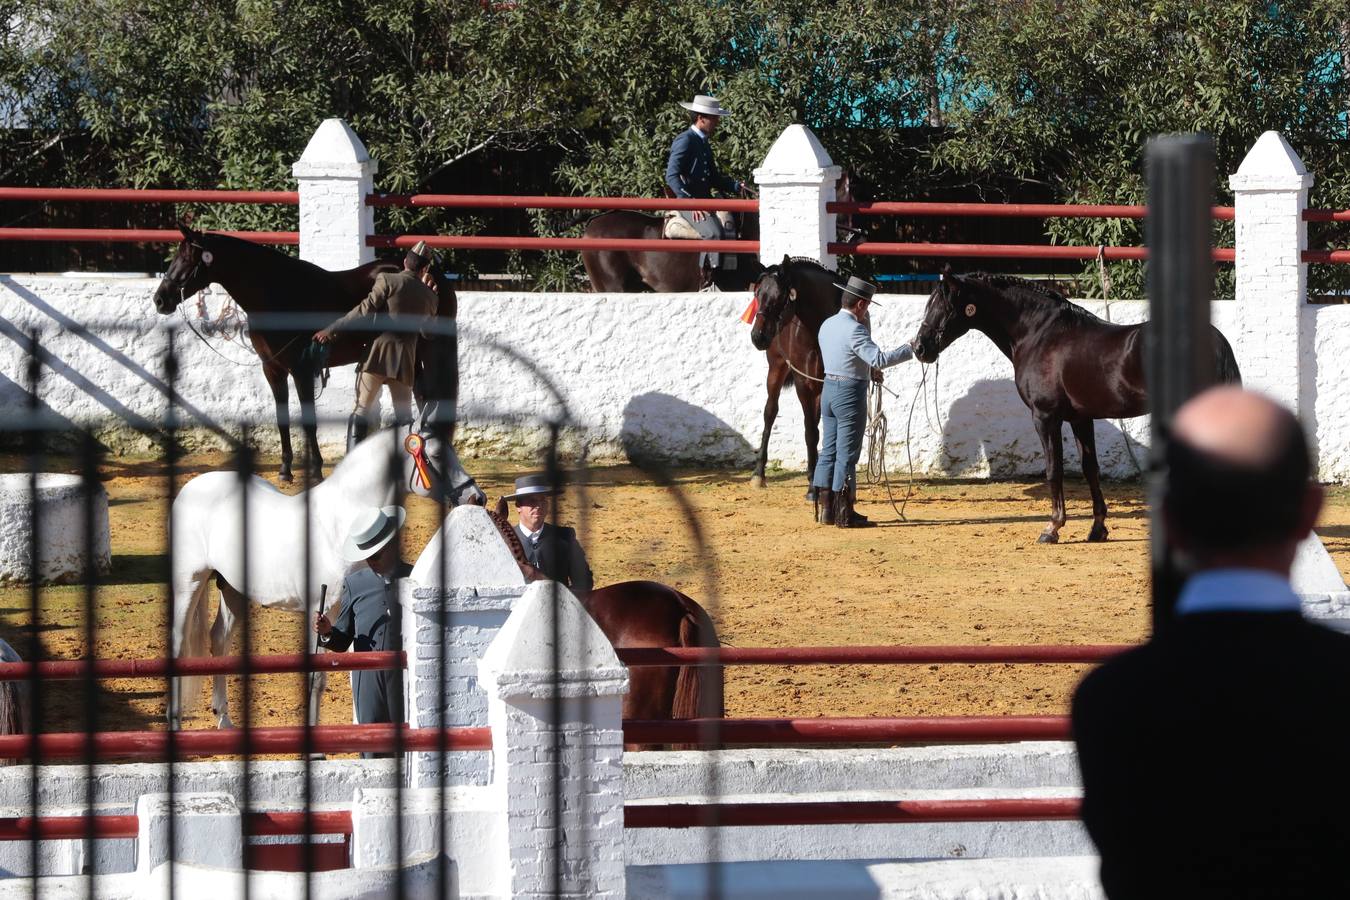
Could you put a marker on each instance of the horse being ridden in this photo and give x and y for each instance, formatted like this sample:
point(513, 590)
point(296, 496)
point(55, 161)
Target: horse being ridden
point(662, 271)
point(647, 614)
point(263, 280)
point(209, 528)
point(1068, 365)
point(792, 299)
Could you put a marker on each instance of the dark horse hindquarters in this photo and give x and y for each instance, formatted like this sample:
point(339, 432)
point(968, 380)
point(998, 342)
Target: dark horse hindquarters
point(1068, 365)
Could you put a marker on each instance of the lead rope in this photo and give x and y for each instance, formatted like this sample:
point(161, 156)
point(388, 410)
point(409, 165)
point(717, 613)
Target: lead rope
point(1105, 278)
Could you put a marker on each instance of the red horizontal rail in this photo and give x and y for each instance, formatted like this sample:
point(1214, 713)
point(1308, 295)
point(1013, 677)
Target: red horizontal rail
point(1326, 256)
point(1326, 215)
point(506, 201)
point(378, 738)
point(329, 821)
point(1006, 210)
point(149, 195)
point(1004, 251)
point(257, 824)
point(504, 242)
point(850, 812)
point(206, 665)
point(885, 655)
point(136, 235)
point(935, 729)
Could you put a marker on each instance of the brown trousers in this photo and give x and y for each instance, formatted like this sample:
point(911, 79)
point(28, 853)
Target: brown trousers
point(368, 398)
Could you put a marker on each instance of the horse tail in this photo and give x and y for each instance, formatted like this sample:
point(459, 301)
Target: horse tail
point(194, 639)
point(698, 689)
point(1226, 367)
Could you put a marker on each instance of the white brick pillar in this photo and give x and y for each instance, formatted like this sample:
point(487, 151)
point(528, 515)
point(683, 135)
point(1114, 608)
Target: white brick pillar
point(207, 831)
point(335, 173)
point(556, 695)
point(482, 584)
point(1270, 192)
point(795, 182)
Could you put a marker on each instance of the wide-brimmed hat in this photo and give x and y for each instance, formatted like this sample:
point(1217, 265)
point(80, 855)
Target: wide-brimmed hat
point(370, 530)
point(706, 105)
point(858, 287)
point(533, 486)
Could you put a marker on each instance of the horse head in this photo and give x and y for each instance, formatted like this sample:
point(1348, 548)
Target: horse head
point(189, 271)
point(422, 461)
point(947, 316)
point(774, 295)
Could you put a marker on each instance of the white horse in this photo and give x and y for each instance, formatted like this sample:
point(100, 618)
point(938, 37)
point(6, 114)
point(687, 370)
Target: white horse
point(208, 542)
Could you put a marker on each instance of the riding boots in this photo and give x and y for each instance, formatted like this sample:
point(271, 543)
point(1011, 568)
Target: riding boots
point(824, 506)
point(358, 426)
point(844, 516)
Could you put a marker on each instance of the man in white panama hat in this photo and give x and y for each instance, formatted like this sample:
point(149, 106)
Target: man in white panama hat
point(367, 615)
point(406, 298)
point(691, 172)
point(849, 356)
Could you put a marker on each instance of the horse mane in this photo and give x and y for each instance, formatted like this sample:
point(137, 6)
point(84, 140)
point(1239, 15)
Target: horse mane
point(1036, 290)
point(799, 260)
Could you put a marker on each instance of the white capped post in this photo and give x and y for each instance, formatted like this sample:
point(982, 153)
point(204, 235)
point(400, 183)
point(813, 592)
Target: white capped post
point(795, 182)
point(555, 689)
point(1270, 192)
point(335, 173)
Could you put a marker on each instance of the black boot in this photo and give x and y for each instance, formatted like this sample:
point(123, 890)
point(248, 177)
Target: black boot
point(844, 516)
point(858, 519)
point(824, 506)
point(358, 426)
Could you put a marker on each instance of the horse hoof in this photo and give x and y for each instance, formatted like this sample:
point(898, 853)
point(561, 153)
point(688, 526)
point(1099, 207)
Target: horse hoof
point(757, 481)
point(285, 475)
point(1097, 534)
point(1047, 538)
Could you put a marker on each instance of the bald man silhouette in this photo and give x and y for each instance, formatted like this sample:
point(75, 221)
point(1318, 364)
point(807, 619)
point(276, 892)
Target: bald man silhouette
point(1210, 754)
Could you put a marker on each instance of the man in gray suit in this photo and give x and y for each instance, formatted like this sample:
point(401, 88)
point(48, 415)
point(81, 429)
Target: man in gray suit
point(368, 615)
point(551, 549)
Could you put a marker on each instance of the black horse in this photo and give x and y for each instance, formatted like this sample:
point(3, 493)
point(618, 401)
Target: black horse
point(1069, 366)
point(263, 280)
point(792, 300)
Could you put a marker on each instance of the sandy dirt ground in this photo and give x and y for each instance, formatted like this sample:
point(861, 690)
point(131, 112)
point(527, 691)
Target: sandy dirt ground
point(963, 568)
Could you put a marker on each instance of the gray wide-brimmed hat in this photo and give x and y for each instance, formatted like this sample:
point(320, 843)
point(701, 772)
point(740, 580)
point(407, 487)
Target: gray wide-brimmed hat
point(706, 105)
point(533, 486)
point(370, 530)
point(858, 287)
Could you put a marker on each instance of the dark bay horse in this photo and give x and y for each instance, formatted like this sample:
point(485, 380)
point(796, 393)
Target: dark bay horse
point(263, 280)
point(1068, 365)
point(647, 614)
point(662, 271)
point(792, 299)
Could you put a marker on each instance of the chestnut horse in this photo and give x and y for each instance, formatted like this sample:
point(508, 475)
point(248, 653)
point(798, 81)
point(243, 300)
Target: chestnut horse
point(263, 280)
point(663, 271)
point(792, 300)
point(1068, 365)
point(646, 614)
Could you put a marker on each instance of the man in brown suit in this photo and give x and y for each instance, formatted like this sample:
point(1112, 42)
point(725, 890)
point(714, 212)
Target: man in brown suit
point(403, 297)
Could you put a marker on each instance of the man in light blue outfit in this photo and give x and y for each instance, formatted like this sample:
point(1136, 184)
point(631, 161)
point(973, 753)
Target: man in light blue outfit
point(849, 356)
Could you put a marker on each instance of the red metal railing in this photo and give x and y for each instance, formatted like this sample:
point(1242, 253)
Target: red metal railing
point(884, 655)
point(502, 242)
point(507, 201)
point(149, 195)
point(850, 812)
point(135, 235)
point(256, 825)
point(377, 738)
point(935, 729)
point(1004, 251)
point(1005, 210)
point(205, 665)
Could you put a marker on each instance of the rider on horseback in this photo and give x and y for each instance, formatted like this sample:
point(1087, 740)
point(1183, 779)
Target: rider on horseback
point(691, 172)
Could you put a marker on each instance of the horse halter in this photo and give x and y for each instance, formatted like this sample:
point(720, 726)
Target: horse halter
point(204, 259)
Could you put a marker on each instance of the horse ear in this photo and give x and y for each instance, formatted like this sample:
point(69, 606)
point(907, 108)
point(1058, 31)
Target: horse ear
point(787, 260)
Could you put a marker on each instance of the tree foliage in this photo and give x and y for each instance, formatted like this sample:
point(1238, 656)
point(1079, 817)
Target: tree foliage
point(922, 98)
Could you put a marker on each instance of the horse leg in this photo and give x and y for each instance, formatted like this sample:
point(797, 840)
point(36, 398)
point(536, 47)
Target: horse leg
point(276, 380)
point(304, 389)
point(231, 610)
point(808, 392)
point(777, 375)
point(1087, 451)
point(1052, 440)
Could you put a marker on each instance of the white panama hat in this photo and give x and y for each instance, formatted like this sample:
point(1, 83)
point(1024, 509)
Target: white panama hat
point(706, 105)
point(370, 530)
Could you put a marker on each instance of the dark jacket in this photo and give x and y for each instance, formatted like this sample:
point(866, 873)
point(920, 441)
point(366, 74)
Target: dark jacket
point(1209, 760)
point(369, 617)
point(403, 298)
point(690, 170)
point(558, 555)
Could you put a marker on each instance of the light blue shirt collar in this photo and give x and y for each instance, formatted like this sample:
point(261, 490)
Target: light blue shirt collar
point(1237, 590)
point(695, 130)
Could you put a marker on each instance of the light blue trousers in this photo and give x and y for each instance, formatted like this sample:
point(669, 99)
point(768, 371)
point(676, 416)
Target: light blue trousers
point(843, 415)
